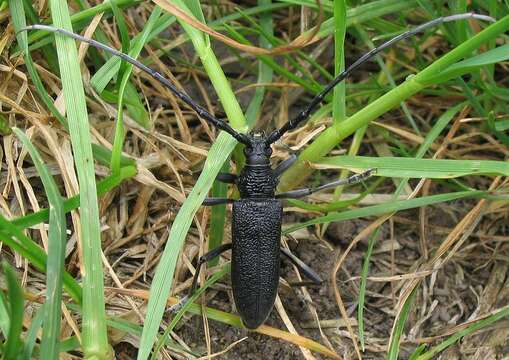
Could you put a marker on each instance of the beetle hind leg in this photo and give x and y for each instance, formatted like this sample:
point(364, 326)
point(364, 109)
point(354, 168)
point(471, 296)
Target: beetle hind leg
point(202, 260)
point(310, 273)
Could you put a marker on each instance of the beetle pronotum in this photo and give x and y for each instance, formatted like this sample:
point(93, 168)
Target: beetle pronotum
point(257, 215)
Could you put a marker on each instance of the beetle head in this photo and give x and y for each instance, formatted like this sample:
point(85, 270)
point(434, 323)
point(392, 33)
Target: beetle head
point(258, 151)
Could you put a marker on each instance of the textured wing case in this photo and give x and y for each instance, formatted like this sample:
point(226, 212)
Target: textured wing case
point(256, 229)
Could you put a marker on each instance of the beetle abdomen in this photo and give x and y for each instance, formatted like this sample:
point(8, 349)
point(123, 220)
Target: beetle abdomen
point(256, 230)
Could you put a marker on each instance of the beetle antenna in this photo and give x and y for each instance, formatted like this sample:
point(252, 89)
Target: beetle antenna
point(304, 114)
point(204, 114)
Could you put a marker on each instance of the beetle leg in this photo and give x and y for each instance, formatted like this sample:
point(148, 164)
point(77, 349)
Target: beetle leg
point(354, 179)
point(227, 178)
point(284, 165)
point(310, 273)
point(207, 257)
point(216, 201)
point(202, 260)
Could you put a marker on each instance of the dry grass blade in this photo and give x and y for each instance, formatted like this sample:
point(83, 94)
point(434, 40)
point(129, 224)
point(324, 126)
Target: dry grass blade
point(228, 348)
point(288, 323)
point(298, 43)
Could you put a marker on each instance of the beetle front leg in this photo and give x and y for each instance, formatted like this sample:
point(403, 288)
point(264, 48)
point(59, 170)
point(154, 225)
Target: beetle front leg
point(216, 201)
point(354, 179)
point(227, 178)
point(224, 178)
point(284, 165)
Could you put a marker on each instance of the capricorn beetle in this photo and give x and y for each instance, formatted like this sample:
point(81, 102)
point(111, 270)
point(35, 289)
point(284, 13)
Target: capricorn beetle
point(257, 215)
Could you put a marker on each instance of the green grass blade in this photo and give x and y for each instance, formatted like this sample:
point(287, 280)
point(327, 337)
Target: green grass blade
point(126, 74)
point(48, 50)
point(400, 167)
point(55, 259)
point(70, 344)
point(387, 208)
point(265, 73)
point(356, 15)
point(16, 310)
point(95, 340)
point(472, 64)
point(4, 315)
point(364, 13)
point(122, 27)
point(216, 75)
point(136, 107)
point(437, 129)
point(56, 254)
point(19, 22)
point(31, 336)
point(81, 17)
point(418, 351)
point(14, 238)
point(362, 285)
point(392, 354)
point(4, 126)
point(430, 354)
point(385, 75)
point(218, 215)
point(104, 75)
point(339, 92)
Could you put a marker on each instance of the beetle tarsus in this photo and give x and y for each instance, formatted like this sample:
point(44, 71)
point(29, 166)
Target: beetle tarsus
point(178, 306)
point(357, 178)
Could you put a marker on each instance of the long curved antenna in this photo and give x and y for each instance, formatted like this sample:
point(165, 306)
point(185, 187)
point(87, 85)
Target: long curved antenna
point(304, 114)
point(204, 114)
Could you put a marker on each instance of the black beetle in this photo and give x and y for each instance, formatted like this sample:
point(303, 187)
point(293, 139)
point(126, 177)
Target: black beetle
point(257, 215)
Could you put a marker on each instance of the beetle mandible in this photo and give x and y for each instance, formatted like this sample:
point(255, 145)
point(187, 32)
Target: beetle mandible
point(257, 215)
